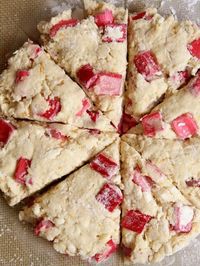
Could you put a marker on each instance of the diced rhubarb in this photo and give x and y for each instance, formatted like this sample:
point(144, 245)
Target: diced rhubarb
point(104, 18)
point(86, 76)
point(35, 51)
point(194, 85)
point(127, 122)
point(94, 115)
point(152, 123)
point(154, 171)
point(147, 65)
point(184, 126)
point(181, 77)
point(94, 131)
point(104, 165)
point(62, 24)
point(6, 129)
point(142, 15)
point(110, 196)
point(21, 75)
point(42, 225)
point(138, 16)
point(145, 182)
point(183, 216)
point(54, 108)
point(194, 48)
point(56, 134)
point(115, 33)
point(126, 251)
point(108, 83)
point(111, 247)
point(21, 170)
point(193, 182)
point(135, 221)
point(85, 106)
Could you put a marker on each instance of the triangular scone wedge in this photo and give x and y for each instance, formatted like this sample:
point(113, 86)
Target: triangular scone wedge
point(163, 54)
point(93, 51)
point(34, 87)
point(157, 220)
point(33, 155)
point(177, 117)
point(179, 160)
point(81, 215)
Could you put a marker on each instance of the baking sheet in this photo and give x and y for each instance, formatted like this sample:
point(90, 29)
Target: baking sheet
point(18, 20)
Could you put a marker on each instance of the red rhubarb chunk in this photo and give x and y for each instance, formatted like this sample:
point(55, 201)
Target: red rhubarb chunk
point(183, 216)
point(94, 131)
point(108, 84)
point(193, 182)
point(194, 85)
point(42, 225)
point(54, 108)
point(86, 76)
point(181, 77)
point(141, 15)
point(115, 33)
point(21, 75)
point(135, 221)
point(184, 126)
point(94, 115)
point(152, 123)
point(110, 196)
point(145, 182)
point(21, 170)
point(6, 129)
point(138, 16)
point(85, 107)
point(126, 251)
point(62, 24)
point(111, 247)
point(147, 65)
point(127, 122)
point(104, 165)
point(194, 48)
point(35, 51)
point(56, 134)
point(104, 18)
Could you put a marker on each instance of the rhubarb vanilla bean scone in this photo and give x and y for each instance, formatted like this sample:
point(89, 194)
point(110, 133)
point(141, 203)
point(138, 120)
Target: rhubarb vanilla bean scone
point(32, 155)
point(157, 220)
point(81, 215)
point(93, 51)
point(177, 159)
point(177, 117)
point(34, 87)
point(163, 54)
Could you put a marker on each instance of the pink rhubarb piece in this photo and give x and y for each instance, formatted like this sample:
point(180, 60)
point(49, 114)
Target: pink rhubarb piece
point(104, 165)
point(110, 196)
point(184, 126)
point(135, 221)
point(152, 123)
point(147, 65)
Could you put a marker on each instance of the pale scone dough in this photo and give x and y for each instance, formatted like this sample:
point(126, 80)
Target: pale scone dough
point(80, 224)
point(32, 81)
point(179, 160)
point(168, 40)
point(51, 157)
point(74, 47)
point(159, 200)
point(184, 103)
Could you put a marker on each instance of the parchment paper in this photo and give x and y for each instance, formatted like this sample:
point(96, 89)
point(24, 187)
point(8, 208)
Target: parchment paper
point(18, 20)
